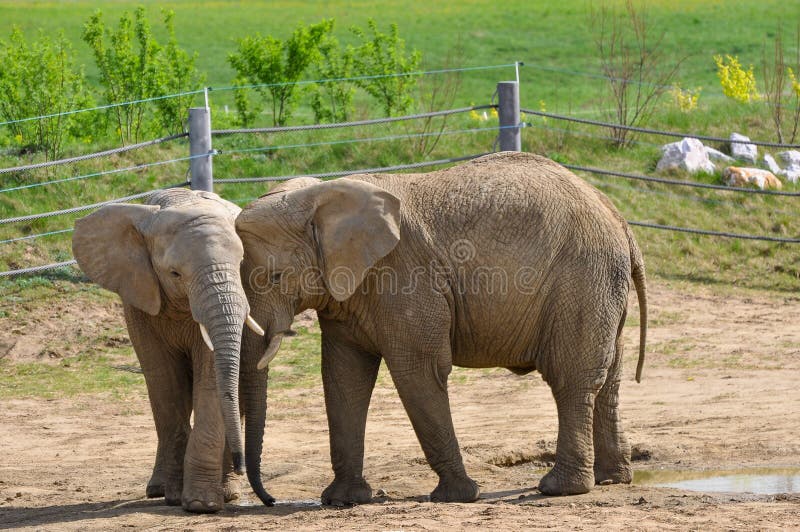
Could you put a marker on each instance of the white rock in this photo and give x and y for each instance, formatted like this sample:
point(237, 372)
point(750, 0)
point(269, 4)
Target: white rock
point(742, 149)
point(718, 156)
point(791, 157)
point(688, 154)
point(770, 163)
point(791, 173)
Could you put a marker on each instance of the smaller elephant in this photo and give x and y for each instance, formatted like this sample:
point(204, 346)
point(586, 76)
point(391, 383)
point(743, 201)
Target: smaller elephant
point(175, 262)
point(509, 260)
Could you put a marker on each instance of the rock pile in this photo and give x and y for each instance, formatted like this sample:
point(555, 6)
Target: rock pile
point(691, 156)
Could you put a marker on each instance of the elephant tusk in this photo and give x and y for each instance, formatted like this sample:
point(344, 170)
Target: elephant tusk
point(206, 338)
point(254, 326)
point(271, 351)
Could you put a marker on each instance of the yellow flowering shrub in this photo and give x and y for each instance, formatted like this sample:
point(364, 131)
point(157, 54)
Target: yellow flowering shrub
point(685, 99)
point(737, 83)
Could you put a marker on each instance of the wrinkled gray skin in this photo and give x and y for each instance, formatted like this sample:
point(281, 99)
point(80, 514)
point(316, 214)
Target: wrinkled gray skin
point(506, 261)
point(175, 262)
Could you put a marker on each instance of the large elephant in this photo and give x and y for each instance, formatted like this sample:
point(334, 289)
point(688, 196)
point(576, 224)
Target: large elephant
point(506, 261)
point(175, 262)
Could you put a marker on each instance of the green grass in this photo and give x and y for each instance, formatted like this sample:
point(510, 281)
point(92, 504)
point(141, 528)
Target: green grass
point(83, 374)
point(552, 41)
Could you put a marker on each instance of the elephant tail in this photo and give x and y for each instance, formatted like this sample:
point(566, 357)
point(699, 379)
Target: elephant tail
point(637, 272)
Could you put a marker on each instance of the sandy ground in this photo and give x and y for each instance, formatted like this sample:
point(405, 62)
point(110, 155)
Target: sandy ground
point(720, 392)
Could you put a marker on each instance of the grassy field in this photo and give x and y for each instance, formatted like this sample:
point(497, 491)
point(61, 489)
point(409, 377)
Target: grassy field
point(560, 74)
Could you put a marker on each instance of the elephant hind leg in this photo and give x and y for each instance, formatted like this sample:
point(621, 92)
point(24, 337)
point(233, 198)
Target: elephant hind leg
point(573, 471)
point(612, 462)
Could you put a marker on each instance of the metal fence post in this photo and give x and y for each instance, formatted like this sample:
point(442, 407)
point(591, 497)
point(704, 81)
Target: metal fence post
point(508, 112)
point(202, 176)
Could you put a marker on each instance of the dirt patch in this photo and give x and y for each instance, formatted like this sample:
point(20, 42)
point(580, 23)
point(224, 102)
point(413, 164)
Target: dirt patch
point(719, 392)
point(51, 332)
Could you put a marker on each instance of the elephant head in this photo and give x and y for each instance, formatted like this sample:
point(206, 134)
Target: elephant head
point(179, 255)
point(310, 242)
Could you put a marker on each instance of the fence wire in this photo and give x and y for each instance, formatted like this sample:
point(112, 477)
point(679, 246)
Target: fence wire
point(40, 235)
point(637, 129)
point(343, 173)
point(678, 182)
point(352, 124)
point(362, 140)
point(84, 208)
point(93, 155)
point(716, 233)
point(38, 269)
point(362, 78)
point(106, 172)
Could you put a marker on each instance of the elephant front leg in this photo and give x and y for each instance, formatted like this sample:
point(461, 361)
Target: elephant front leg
point(202, 469)
point(348, 378)
point(422, 385)
point(169, 389)
point(231, 489)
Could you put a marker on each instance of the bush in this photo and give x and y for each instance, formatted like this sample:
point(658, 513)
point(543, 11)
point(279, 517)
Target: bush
point(40, 79)
point(134, 67)
point(385, 68)
point(737, 83)
point(275, 67)
point(332, 101)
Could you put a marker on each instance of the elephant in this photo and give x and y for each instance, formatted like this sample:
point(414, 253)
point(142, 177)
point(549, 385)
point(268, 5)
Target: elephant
point(508, 260)
point(175, 262)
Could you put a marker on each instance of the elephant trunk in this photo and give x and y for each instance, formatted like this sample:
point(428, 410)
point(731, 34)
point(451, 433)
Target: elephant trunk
point(254, 396)
point(219, 305)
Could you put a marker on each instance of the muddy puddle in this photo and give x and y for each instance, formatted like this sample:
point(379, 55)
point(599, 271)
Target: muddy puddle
point(761, 481)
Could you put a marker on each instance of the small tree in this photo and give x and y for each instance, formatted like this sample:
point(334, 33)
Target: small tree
point(633, 65)
point(436, 93)
point(332, 101)
point(175, 73)
point(134, 67)
point(784, 105)
point(386, 69)
point(275, 67)
point(40, 79)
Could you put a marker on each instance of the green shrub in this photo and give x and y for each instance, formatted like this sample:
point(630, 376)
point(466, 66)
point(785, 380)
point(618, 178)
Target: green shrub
point(134, 67)
point(332, 101)
point(40, 79)
point(386, 69)
point(274, 67)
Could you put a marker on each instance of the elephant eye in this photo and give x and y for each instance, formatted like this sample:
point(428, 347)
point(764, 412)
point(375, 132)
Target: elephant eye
point(275, 278)
point(175, 274)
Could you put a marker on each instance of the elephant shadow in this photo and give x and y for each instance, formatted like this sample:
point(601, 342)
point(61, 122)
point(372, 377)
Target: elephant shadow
point(62, 514)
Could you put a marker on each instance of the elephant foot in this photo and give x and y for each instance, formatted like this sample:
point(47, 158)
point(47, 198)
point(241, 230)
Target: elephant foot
point(154, 490)
point(612, 473)
point(231, 489)
point(203, 501)
point(456, 489)
point(345, 492)
point(172, 492)
point(560, 481)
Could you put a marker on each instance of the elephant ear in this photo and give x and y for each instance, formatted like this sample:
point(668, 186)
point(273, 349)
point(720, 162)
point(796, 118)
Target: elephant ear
point(111, 251)
point(355, 224)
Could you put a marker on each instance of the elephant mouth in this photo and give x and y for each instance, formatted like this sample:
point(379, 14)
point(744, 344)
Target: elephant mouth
point(250, 322)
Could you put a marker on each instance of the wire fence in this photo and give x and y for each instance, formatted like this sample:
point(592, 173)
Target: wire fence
point(339, 173)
